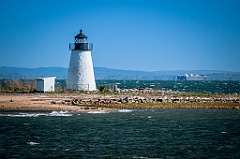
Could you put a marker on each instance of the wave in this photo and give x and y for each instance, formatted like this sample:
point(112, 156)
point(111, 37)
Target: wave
point(33, 143)
point(99, 112)
point(60, 113)
point(104, 111)
point(53, 113)
point(125, 110)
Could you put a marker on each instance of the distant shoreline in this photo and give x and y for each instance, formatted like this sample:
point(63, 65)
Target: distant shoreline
point(96, 102)
point(103, 73)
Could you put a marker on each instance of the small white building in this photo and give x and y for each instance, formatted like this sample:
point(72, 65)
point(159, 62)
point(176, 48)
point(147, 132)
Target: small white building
point(46, 84)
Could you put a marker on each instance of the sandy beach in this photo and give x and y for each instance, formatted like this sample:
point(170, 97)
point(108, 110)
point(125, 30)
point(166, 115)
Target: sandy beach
point(95, 102)
point(41, 102)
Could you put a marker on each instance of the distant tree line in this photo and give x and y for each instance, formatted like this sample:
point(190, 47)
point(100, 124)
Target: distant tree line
point(17, 86)
point(26, 85)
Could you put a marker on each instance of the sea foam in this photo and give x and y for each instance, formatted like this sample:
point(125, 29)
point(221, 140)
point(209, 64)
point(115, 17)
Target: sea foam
point(125, 110)
point(98, 112)
point(53, 113)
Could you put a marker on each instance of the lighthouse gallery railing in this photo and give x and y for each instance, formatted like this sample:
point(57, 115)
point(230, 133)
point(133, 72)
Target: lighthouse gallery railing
point(81, 46)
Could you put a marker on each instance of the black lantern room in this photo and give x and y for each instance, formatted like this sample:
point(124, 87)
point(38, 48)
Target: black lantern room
point(81, 43)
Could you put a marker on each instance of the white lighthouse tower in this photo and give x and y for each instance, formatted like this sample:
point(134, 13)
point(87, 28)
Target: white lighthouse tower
point(80, 71)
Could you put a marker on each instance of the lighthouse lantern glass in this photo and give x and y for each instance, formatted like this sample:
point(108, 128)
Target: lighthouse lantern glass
point(80, 40)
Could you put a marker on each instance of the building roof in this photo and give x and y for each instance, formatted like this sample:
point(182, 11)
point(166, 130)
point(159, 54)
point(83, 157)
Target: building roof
point(80, 35)
point(43, 78)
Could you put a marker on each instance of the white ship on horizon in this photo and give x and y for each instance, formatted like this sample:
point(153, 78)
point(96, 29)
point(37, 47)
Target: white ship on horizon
point(191, 77)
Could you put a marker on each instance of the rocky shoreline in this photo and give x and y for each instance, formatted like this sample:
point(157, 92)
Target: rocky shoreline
point(88, 102)
point(158, 102)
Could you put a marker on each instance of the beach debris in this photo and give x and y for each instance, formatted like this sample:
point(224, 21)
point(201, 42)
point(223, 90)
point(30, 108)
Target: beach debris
point(53, 102)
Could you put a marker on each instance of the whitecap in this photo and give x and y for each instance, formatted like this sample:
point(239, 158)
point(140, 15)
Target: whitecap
point(33, 143)
point(125, 110)
point(53, 113)
point(20, 115)
point(59, 113)
point(4, 115)
point(223, 132)
point(99, 112)
point(66, 150)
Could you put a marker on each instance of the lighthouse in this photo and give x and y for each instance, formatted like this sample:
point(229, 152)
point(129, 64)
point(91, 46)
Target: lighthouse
point(80, 70)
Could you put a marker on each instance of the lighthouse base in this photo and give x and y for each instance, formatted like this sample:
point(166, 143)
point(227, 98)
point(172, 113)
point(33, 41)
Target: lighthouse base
point(80, 71)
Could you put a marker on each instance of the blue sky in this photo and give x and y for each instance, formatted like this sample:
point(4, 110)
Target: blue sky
point(149, 35)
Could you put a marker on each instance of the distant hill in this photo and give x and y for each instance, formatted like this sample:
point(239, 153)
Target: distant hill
point(32, 73)
point(102, 73)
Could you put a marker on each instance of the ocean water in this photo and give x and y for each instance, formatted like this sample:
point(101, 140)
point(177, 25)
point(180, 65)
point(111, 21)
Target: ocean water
point(210, 87)
point(138, 133)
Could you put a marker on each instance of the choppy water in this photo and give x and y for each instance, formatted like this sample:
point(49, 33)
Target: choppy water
point(141, 133)
point(211, 87)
